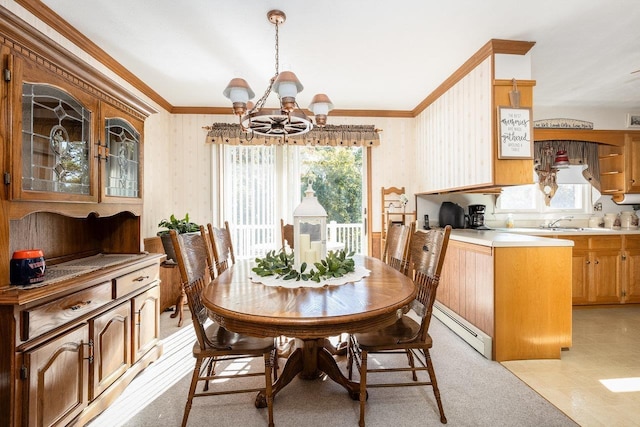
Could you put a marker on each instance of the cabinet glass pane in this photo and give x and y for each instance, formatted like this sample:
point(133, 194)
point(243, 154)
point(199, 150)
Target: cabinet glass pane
point(55, 141)
point(122, 166)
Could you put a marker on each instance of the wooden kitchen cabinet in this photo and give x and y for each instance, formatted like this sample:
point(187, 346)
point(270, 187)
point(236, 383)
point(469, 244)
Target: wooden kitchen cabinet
point(612, 169)
point(620, 167)
point(519, 296)
point(597, 269)
point(631, 268)
point(632, 153)
point(580, 271)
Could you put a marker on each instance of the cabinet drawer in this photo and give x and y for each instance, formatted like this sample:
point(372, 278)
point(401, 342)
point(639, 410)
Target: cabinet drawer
point(631, 242)
point(606, 242)
point(44, 318)
point(131, 282)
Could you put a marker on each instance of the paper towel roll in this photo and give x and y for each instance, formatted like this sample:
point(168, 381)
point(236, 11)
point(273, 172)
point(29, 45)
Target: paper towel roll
point(627, 199)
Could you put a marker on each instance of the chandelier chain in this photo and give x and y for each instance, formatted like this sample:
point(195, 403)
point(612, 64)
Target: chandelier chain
point(277, 50)
point(260, 102)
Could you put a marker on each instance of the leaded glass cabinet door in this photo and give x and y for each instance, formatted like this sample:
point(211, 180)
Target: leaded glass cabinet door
point(56, 157)
point(122, 158)
point(122, 167)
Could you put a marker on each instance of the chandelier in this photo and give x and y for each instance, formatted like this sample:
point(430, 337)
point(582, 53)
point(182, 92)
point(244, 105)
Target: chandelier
point(289, 119)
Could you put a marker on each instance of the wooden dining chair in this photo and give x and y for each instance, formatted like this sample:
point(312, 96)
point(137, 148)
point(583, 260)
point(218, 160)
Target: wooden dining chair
point(286, 231)
point(396, 248)
point(222, 247)
point(406, 335)
point(214, 343)
point(208, 248)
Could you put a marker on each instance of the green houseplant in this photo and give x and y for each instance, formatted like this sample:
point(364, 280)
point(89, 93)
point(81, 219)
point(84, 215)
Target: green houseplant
point(181, 226)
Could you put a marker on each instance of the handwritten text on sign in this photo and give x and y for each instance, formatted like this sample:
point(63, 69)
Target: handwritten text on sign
point(515, 132)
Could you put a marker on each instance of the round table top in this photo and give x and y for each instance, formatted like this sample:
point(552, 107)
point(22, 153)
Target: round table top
point(256, 309)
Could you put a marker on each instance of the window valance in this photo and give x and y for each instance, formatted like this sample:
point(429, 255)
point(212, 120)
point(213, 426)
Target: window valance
point(578, 152)
point(333, 135)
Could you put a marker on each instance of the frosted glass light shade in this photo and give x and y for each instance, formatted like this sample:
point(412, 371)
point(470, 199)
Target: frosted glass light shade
point(238, 90)
point(320, 104)
point(287, 85)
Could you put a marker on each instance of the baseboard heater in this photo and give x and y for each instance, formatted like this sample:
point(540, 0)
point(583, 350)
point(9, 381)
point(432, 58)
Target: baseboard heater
point(472, 335)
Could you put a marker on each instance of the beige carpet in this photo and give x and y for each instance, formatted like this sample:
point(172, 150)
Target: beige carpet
point(475, 392)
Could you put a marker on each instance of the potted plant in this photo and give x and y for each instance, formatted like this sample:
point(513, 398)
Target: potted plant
point(181, 226)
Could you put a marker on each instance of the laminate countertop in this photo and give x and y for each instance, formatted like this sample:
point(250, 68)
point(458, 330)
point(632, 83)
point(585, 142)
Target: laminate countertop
point(500, 239)
point(531, 236)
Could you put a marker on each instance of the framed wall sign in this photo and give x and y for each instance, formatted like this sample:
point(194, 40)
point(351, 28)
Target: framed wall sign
point(633, 120)
point(515, 133)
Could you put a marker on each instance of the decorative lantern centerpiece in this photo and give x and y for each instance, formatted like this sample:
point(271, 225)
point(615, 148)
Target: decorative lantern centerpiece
point(309, 231)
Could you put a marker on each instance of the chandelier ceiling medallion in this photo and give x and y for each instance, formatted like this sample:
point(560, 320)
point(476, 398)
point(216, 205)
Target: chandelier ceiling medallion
point(289, 119)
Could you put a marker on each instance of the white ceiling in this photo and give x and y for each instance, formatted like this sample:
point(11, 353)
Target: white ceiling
point(365, 54)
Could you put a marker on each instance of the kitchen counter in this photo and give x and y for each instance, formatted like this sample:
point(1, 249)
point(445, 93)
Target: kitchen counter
point(564, 231)
point(511, 292)
point(500, 239)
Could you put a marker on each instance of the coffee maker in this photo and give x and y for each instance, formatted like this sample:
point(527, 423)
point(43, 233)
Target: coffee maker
point(476, 217)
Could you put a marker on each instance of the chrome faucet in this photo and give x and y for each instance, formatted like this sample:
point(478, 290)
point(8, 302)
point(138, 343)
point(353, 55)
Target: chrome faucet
point(556, 221)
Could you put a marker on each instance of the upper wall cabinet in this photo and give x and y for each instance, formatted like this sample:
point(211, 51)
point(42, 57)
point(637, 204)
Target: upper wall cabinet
point(618, 156)
point(457, 132)
point(620, 168)
point(68, 145)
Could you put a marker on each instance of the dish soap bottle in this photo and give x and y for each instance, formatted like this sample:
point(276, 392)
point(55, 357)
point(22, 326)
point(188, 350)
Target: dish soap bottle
point(510, 221)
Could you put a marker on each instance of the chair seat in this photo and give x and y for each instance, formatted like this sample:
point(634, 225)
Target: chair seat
point(402, 331)
point(234, 343)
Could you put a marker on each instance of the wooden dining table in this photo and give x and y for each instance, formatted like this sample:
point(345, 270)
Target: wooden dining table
point(311, 315)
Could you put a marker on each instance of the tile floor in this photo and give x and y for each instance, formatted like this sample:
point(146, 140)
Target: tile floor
point(606, 346)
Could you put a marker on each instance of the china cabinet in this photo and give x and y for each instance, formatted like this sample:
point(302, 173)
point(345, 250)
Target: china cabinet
point(67, 144)
point(72, 166)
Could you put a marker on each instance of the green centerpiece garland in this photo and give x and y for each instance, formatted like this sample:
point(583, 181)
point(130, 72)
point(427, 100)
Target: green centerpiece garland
point(281, 264)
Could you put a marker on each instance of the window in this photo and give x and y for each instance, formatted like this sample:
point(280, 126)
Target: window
point(574, 194)
point(529, 198)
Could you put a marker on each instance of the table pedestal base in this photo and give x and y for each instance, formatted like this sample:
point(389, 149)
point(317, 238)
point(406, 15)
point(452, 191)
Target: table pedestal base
point(310, 362)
